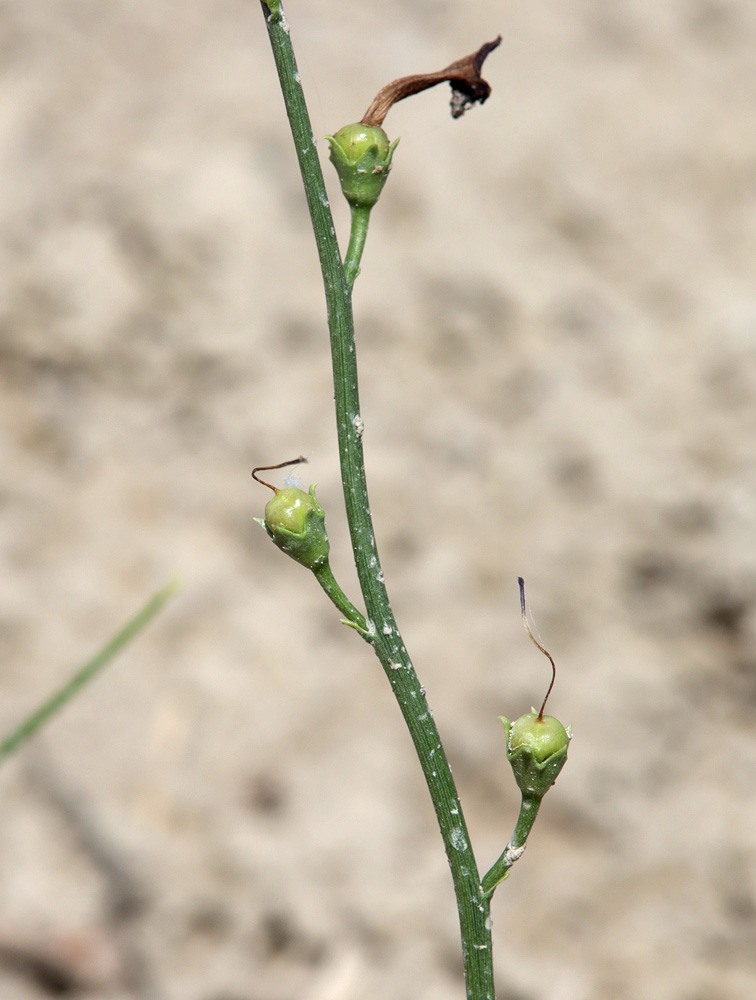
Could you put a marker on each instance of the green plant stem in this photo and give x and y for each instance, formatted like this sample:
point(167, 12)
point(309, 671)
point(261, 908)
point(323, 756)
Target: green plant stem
point(472, 904)
point(86, 673)
point(500, 868)
point(357, 237)
point(326, 579)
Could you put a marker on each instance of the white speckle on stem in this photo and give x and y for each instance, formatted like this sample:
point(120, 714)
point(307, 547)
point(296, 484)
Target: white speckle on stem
point(359, 425)
point(489, 923)
point(387, 630)
point(512, 854)
point(458, 841)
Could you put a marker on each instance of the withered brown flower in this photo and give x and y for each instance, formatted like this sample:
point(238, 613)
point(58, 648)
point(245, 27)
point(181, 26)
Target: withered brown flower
point(468, 86)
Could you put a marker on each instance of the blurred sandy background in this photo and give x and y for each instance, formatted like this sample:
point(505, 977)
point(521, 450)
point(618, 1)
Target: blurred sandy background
point(557, 337)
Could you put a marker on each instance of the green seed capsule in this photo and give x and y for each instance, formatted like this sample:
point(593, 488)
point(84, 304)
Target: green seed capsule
point(362, 157)
point(296, 523)
point(537, 751)
point(288, 509)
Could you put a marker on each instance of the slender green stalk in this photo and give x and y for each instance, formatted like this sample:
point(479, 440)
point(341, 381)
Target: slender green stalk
point(500, 868)
point(353, 617)
point(86, 673)
point(357, 237)
point(473, 905)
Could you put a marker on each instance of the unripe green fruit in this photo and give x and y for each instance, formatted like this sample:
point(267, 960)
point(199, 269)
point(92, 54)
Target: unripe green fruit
point(355, 140)
point(545, 736)
point(362, 157)
point(537, 751)
point(296, 523)
point(289, 509)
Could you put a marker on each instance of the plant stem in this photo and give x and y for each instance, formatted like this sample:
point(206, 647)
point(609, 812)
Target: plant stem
point(500, 868)
point(326, 579)
point(472, 904)
point(357, 237)
point(86, 673)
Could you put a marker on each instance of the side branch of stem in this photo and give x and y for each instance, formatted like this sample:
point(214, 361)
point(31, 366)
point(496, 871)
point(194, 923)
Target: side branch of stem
point(357, 237)
point(516, 846)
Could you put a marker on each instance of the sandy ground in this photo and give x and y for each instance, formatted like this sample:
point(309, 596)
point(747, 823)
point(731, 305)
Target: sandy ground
point(557, 337)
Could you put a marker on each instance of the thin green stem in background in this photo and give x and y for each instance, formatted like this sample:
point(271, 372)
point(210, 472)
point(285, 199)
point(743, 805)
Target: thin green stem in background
point(86, 673)
point(472, 903)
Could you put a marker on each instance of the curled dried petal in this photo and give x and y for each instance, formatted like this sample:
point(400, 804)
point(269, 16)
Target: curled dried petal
point(468, 86)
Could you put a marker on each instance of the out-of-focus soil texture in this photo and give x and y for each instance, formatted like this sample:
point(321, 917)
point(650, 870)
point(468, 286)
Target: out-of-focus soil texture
point(557, 344)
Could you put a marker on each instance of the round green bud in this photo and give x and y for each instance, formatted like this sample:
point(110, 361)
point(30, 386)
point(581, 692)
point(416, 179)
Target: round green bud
point(296, 523)
point(355, 140)
point(288, 509)
point(545, 736)
point(537, 751)
point(362, 157)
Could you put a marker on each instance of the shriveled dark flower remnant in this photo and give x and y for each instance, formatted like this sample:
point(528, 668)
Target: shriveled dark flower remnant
point(468, 86)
